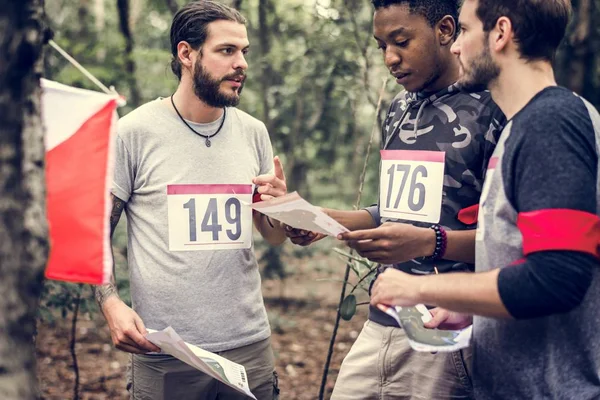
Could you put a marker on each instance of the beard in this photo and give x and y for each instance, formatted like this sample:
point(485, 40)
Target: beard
point(481, 72)
point(209, 91)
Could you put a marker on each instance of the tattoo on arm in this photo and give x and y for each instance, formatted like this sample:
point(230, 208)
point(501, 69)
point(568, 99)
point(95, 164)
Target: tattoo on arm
point(115, 215)
point(103, 292)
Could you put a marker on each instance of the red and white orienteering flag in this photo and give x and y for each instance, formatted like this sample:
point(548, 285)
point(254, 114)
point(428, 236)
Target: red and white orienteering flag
point(79, 139)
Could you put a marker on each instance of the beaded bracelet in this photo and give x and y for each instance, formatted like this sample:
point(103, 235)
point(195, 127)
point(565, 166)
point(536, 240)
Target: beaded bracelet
point(441, 243)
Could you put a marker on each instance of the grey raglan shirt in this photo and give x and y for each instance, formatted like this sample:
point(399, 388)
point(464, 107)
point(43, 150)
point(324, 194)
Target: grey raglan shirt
point(539, 223)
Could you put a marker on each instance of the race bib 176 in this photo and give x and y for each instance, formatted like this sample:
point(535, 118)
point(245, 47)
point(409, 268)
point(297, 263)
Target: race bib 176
point(411, 185)
point(209, 217)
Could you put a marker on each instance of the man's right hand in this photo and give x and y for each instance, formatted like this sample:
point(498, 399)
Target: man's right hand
point(126, 327)
point(444, 319)
point(302, 237)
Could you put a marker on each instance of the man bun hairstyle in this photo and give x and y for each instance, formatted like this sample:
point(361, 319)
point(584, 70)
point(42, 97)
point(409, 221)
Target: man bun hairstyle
point(191, 22)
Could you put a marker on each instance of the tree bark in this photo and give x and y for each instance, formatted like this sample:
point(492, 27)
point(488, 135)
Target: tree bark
point(23, 227)
point(125, 26)
point(265, 49)
point(172, 5)
point(577, 61)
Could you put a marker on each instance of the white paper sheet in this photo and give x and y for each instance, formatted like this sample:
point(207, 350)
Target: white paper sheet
point(228, 372)
point(296, 212)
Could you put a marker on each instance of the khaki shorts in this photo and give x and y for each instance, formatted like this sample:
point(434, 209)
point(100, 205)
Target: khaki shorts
point(160, 377)
point(381, 365)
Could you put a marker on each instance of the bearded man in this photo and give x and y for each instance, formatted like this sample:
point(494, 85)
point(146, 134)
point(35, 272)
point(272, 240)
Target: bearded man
point(185, 166)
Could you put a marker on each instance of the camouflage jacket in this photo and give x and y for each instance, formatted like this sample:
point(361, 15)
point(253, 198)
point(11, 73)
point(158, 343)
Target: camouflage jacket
point(464, 125)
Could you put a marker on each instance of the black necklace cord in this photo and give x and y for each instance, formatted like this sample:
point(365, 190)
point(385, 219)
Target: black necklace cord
point(206, 137)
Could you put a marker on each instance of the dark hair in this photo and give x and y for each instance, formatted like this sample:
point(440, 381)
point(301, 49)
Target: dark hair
point(432, 10)
point(539, 25)
point(190, 24)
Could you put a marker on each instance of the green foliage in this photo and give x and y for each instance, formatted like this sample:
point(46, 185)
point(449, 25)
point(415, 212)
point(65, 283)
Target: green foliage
point(58, 300)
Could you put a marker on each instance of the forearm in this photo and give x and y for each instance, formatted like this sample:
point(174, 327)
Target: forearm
point(272, 232)
point(353, 220)
point(104, 292)
point(468, 293)
point(461, 246)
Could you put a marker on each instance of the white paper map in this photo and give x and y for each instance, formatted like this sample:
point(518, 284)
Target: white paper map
point(228, 372)
point(411, 319)
point(296, 212)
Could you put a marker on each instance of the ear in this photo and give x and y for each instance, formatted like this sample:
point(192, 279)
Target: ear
point(501, 36)
point(446, 29)
point(185, 54)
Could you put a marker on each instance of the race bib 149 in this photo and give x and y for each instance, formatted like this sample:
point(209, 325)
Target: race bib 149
point(209, 217)
point(411, 185)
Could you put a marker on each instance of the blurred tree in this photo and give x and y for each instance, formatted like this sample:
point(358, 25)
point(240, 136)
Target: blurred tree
point(23, 230)
point(125, 26)
point(172, 5)
point(313, 67)
point(578, 61)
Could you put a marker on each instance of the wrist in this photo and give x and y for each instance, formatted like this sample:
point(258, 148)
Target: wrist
point(109, 302)
point(428, 242)
point(440, 243)
point(425, 289)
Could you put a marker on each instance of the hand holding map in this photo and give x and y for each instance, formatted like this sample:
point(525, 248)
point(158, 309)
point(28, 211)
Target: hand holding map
point(298, 213)
point(411, 319)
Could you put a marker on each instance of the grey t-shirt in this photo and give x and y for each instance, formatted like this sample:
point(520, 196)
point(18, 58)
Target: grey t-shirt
point(212, 298)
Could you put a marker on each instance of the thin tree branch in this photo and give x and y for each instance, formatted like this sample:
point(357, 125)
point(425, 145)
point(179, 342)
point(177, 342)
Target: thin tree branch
point(74, 340)
point(125, 26)
point(363, 50)
point(348, 267)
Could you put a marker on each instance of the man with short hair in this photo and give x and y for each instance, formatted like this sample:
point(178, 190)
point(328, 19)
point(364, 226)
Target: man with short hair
point(536, 292)
point(430, 120)
point(184, 169)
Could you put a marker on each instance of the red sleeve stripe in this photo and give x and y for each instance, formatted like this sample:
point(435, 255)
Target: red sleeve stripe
point(560, 229)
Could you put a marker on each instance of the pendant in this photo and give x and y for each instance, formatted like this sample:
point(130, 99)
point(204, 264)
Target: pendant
point(208, 144)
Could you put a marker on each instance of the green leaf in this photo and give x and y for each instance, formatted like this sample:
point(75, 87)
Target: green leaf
point(348, 308)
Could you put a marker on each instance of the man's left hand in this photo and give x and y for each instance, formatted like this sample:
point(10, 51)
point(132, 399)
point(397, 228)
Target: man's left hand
point(392, 243)
point(396, 288)
point(271, 186)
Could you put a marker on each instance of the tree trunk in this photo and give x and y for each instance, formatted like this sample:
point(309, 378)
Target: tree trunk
point(172, 6)
point(577, 61)
point(265, 49)
point(23, 227)
point(125, 26)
